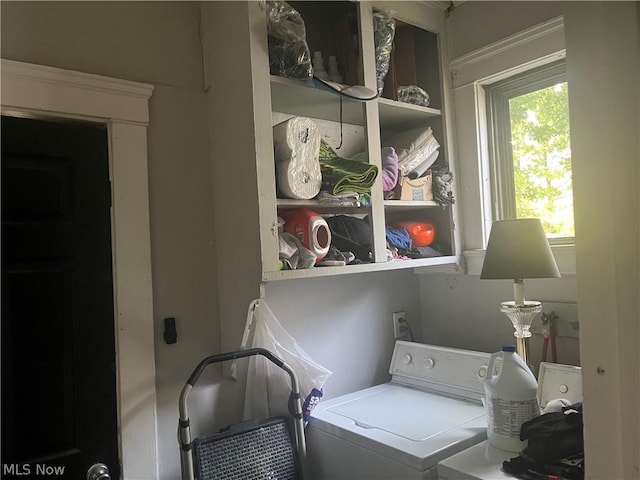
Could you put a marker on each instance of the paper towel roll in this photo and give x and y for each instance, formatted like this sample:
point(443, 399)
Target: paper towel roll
point(296, 148)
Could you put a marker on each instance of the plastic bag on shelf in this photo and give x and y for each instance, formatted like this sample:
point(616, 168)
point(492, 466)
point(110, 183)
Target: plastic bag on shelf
point(384, 30)
point(293, 254)
point(413, 94)
point(443, 186)
point(268, 386)
point(289, 54)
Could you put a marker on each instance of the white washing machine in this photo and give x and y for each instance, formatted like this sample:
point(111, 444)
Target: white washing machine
point(430, 410)
point(484, 461)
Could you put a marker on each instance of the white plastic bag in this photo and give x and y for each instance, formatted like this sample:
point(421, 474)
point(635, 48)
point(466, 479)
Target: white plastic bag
point(268, 386)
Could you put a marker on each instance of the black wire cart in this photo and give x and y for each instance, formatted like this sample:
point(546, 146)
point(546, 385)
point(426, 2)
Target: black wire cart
point(256, 449)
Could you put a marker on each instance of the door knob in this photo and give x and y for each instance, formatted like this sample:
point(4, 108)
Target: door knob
point(98, 471)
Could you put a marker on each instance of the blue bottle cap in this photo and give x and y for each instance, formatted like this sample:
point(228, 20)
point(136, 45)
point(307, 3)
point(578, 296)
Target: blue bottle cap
point(508, 348)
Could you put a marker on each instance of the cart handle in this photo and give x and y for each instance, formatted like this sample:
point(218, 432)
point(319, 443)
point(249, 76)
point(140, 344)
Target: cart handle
point(184, 432)
point(223, 357)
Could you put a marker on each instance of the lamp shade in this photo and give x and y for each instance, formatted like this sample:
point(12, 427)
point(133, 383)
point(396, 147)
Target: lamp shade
point(518, 249)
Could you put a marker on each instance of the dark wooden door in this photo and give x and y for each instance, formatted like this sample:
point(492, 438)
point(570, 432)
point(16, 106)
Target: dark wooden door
point(58, 350)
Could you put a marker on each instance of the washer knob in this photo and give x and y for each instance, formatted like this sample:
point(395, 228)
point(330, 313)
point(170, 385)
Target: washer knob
point(563, 389)
point(482, 372)
point(429, 363)
point(405, 359)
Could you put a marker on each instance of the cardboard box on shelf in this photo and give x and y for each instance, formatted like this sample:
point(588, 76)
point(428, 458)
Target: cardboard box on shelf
point(416, 190)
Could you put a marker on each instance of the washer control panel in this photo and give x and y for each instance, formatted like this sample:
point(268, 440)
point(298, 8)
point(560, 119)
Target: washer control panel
point(421, 364)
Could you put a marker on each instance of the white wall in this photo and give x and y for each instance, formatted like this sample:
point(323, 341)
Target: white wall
point(345, 323)
point(156, 43)
point(603, 60)
point(462, 310)
point(475, 24)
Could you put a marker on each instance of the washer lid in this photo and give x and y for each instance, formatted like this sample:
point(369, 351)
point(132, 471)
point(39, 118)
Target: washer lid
point(405, 424)
point(408, 413)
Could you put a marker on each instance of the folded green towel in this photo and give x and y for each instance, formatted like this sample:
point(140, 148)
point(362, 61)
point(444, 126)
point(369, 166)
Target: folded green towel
point(341, 174)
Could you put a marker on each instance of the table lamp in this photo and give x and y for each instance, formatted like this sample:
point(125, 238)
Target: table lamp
point(519, 249)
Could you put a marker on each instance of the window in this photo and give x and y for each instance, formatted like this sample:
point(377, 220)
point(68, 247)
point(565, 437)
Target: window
point(528, 123)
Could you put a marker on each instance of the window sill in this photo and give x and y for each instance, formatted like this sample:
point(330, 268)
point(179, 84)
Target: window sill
point(565, 256)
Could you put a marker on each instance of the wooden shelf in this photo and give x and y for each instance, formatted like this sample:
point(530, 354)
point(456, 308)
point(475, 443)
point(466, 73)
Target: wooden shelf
point(322, 207)
point(301, 97)
point(362, 268)
point(398, 115)
point(409, 205)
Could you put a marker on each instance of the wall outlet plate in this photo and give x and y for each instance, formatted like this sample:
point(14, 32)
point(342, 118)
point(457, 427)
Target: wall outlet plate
point(398, 331)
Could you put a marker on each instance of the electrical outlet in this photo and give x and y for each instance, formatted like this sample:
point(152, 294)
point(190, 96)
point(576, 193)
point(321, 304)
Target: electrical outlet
point(397, 327)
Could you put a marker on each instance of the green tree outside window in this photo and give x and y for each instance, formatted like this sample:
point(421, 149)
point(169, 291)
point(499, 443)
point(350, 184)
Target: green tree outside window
point(541, 155)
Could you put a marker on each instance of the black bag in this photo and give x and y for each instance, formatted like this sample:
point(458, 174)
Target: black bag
point(555, 435)
point(351, 234)
point(555, 446)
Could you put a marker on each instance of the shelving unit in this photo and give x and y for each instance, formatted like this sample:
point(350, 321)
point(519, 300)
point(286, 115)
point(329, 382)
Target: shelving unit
point(379, 119)
point(241, 125)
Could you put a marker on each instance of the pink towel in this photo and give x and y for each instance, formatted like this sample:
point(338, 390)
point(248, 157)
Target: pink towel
point(389, 168)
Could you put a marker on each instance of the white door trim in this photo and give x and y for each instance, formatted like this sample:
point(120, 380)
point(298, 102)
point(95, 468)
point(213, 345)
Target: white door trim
point(123, 107)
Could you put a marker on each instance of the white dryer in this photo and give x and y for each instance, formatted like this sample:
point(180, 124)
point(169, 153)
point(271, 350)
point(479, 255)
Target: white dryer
point(484, 461)
point(430, 410)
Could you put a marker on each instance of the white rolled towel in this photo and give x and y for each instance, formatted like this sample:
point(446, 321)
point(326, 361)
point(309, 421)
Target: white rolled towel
point(297, 150)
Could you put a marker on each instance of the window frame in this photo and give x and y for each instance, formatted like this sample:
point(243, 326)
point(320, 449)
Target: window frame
point(538, 45)
point(497, 96)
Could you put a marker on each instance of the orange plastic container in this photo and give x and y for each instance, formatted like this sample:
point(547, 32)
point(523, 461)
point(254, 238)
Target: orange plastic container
point(310, 228)
point(422, 234)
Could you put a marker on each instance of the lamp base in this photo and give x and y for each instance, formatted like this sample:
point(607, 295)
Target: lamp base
point(521, 317)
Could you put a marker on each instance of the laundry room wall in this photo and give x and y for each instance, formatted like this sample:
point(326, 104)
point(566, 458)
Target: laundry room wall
point(156, 43)
point(460, 310)
point(472, 25)
point(463, 311)
point(344, 323)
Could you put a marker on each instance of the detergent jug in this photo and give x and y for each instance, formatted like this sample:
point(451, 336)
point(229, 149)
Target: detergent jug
point(310, 228)
point(510, 398)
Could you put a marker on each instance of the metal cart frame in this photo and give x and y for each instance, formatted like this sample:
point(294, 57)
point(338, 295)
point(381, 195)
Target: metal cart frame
point(294, 407)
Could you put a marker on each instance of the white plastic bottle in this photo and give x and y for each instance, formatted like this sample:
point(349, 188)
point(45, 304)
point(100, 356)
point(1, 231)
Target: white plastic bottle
point(511, 399)
point(334, 73)
point(318, 66)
